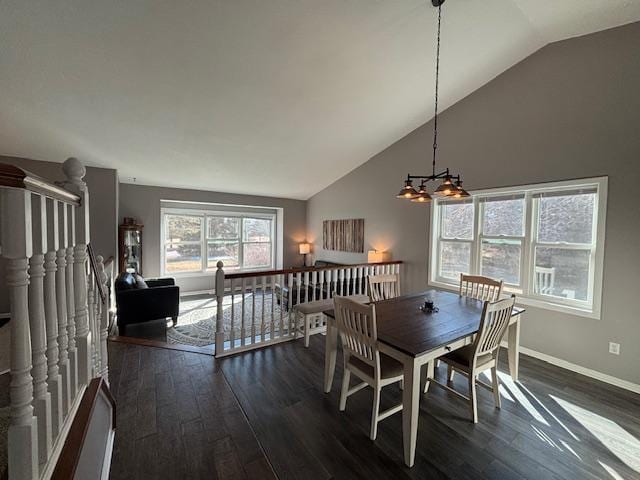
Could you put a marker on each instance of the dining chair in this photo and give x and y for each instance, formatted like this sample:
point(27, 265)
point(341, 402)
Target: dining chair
point(382, 287)
point(481, 355)
point(356, 324)
point(480, 288)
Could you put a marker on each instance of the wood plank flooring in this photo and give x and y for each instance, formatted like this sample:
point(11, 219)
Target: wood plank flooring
point(185, 415)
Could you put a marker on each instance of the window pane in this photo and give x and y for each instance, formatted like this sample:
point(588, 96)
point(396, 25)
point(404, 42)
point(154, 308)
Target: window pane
point(225, 251)
point(257, 230)
point(501, 260)
point(455, 258)
point(182, 228)
point(562, 272)
point(257, 255)
point(457, 220)
point(566, 218)
point(503, 217)
point(183, 258)
point(223, 227)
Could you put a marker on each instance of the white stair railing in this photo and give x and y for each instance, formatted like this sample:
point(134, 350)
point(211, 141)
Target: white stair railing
point(253, 309)
point(58, 330)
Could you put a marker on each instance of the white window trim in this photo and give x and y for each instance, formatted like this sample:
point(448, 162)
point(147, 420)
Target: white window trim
point(204, 213)
point(559, 305)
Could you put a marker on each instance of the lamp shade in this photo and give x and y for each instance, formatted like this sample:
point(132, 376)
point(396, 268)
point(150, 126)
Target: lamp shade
point(304, 248)
point(375, 256)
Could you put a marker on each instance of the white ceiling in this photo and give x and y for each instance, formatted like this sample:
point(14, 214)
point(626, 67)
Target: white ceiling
point(271, 97)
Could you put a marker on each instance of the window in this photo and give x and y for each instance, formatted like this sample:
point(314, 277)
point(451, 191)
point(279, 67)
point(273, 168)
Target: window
point(194, 241)
point(545, 241)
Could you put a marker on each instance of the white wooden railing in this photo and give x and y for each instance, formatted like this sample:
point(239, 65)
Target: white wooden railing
point(59, 311)
point(253, 309)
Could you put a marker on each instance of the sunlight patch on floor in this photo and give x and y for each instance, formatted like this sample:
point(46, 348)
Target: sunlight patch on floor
point(615, 475)
point(515, 391)
point(548, 412)
point(620, 442)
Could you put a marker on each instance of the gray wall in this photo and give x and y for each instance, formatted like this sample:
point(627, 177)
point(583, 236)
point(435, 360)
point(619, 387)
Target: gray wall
point(103, 195)
point(143, 203)
point(570, 110)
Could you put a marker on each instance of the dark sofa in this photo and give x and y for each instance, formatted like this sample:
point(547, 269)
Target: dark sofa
point(142, 301)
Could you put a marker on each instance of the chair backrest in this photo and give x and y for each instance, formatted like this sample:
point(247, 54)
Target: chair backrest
point(493, 325)
point(385, 286)
point(480, 288)
point(357, 326)
point(545, 279)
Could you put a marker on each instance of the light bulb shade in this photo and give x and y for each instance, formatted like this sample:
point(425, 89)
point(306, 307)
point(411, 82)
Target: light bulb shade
point(408, 191)
point(445, 189)
point(460, 192)
point(375, 256)
point(423, 197)
point(304, 248)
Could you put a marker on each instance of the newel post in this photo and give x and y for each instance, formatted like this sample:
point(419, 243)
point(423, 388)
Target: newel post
point(219, 311)
point(16, 241)
point(75, 171)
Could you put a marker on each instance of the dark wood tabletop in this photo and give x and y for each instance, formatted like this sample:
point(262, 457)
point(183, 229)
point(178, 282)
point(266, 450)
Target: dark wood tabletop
point(402, 325)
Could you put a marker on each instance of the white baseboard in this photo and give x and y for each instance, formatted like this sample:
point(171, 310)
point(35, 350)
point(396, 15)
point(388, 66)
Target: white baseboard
point(558, 362)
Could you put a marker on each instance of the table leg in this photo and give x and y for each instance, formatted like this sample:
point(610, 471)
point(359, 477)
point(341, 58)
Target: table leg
point(330, 353)
point(514, 348)
point(410, 409)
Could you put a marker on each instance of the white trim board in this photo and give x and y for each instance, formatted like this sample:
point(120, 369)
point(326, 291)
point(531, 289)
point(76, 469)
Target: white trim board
point(587, 372)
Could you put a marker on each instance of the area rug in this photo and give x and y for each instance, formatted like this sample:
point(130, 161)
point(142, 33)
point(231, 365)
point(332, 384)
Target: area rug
point(197, 319)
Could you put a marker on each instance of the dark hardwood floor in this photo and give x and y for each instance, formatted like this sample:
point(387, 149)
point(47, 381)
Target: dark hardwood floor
point(185, 415)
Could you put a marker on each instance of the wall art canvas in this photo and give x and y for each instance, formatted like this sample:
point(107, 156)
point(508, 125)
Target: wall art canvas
point(343, 235)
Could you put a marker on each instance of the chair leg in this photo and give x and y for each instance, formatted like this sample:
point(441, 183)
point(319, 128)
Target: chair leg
point(175, 321)
point(374, 414)
point(307, 327)
point(472, 397)
point(345, 389)
point(496, 386)
point(450, 373)
point(430, 375)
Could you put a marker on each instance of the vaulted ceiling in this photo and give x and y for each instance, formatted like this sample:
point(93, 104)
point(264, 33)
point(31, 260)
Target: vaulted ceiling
point(271, 97)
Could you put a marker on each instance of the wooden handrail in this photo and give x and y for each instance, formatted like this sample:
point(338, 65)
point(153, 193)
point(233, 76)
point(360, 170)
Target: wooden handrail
point(14, 177)
point(109, 261)
point(285, 271)
point(72, 449)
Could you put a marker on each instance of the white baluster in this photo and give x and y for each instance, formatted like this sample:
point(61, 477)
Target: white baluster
point(243, 332)
point(16, 247)
point(272, 325)
point(290, 313)
point(54, 380)
point(262, 294)
point(306, 286)
point(253, 310)
point(62, 311)
point(71, 309)
point(104, 322)
point(232, 332)
point(75, 171)
point(219, 337)
point(41, 396)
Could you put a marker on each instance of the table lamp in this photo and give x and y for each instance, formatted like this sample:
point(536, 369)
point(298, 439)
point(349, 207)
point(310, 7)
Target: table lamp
point(304, 249)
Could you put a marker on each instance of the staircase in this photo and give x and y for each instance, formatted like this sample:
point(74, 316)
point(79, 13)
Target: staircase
point(56, 338)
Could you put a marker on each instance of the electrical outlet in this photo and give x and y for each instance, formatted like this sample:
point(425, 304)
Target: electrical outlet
point(614, 348)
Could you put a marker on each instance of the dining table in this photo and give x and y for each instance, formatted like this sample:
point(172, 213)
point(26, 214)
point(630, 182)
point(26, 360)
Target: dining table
point(415, 337)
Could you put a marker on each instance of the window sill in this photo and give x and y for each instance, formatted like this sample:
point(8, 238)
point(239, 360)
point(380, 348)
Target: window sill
point(212, 272)
point(533, 302)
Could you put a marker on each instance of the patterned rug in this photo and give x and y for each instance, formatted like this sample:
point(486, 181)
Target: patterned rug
point(196, 322)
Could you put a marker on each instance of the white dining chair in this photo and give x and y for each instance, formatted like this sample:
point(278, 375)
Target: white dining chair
point(382, 287)
point(356, 324)
point(481, 355)
point(480, 288)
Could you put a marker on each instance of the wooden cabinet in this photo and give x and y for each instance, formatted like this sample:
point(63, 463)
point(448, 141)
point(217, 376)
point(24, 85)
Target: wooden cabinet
point(130, 245)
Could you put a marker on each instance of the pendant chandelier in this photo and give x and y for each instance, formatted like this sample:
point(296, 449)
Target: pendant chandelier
point(451, 185)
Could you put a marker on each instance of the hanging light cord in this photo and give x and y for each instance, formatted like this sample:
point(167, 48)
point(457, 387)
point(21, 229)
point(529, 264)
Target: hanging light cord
point(435, 116)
